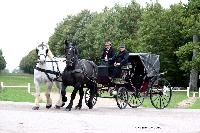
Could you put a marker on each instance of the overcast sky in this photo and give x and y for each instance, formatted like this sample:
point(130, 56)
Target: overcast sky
point(26, 23)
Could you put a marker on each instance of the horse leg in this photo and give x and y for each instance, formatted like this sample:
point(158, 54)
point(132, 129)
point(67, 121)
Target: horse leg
point(59, 103)
point(92, 87)
point(47, 94)
point(81, 94)
point(73, 95)
point(63, 93)
point(37, 95)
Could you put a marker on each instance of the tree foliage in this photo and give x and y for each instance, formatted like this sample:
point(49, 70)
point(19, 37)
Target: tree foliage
point(153, 29)
point(2, 61)
point(160, 33)
point(91, 30)
point(28, 62)
point(191, 23)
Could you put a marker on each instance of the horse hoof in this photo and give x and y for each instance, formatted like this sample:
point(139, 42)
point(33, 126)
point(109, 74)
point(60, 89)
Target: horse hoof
point(48, 106)
point(63, 105)
point(78, 107)
point(57, 107)
point(90, 105)
point(35, 108)
point(67, 109)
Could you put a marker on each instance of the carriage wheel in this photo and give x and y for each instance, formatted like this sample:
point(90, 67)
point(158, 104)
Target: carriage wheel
point(134, 100)
point(87, 96)
point(122, 97)
point(160, 93)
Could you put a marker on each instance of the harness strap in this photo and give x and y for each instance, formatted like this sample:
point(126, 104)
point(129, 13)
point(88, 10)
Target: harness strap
point(83, 71)
point(49, 71)
point(85, 74)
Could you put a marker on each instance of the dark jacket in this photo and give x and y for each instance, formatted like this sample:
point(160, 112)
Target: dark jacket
point(110, 53)
point(122, 58)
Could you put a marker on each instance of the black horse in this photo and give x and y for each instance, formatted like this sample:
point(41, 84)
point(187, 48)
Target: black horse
point(77, 73)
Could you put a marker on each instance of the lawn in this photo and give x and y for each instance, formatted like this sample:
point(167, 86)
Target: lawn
point(196, 105)
point(176, 98)
point(21, 94)
point(22, 80)
point(17, 95)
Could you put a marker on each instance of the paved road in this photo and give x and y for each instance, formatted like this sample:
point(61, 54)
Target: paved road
point(107, 118)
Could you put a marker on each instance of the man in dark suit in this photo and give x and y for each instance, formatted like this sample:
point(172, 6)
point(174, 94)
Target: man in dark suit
point(120, 60)
point(108, 54)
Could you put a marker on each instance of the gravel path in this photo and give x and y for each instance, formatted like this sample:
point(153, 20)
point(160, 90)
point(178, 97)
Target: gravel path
point(100, 102)
point(187, 102)
point(20, 118)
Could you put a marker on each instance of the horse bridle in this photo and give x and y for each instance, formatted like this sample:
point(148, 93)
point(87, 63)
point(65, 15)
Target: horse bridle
point(47, 72)
point(72, 59)
point(41, 54)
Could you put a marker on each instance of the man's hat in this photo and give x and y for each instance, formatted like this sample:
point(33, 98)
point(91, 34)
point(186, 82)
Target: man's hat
point(122, 46)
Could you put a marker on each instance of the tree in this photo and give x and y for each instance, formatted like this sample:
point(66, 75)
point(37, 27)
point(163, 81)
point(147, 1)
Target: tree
point(2, 61)
point(28, 62)
point(91, 30)
point(160, 33)
point(191, 28)
point(151, 29)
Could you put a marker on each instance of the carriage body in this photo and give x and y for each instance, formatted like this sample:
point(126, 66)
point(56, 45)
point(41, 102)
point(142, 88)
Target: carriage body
point(134, 83)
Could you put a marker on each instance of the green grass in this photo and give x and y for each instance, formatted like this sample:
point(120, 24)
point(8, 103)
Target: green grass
point(22, 80)
point(17, 95)
point(15, 79)
point(21, 94)
point(176, 98)
point(196, 105)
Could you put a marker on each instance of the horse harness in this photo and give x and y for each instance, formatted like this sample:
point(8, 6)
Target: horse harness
point(83, 71)
point(47, 72)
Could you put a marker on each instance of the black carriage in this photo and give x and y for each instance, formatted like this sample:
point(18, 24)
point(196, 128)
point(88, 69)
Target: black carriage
point(139, 79)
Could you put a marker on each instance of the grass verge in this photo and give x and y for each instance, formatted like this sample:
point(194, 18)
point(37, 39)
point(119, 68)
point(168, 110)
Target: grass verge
point(176, 98)
point(196, 105)
point(16, 95)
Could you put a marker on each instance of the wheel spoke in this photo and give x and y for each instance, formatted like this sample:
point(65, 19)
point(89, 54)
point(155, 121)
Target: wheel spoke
point(163, 101)
point(160, 102)
point(164, 90)
point(122, 97)
point(135, 101)
point(155, 99)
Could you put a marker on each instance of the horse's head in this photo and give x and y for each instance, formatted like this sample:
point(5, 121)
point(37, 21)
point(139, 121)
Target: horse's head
point(70, 53)
point(41, 52)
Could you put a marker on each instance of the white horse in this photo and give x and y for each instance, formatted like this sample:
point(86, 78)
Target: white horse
point(48, 71)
